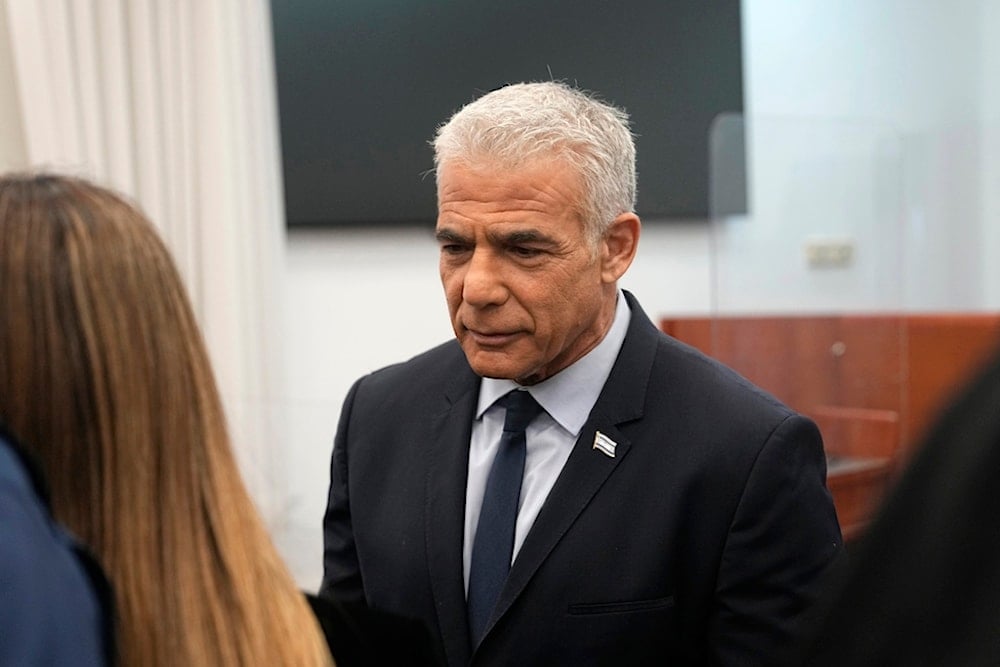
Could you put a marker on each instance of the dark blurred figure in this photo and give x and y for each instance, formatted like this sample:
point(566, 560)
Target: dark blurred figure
point(923, 585)
point(54, 603)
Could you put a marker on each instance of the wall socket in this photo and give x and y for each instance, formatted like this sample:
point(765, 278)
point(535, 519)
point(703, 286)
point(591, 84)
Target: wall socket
point(829, 253)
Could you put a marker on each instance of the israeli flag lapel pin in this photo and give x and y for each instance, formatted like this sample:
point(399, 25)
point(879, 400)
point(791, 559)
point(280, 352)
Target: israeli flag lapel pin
point(605, 444)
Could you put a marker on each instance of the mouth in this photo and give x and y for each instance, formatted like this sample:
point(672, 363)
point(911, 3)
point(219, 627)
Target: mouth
point(486, 338)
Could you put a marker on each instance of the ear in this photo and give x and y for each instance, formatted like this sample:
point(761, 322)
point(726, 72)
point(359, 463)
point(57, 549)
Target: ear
point(618, 246)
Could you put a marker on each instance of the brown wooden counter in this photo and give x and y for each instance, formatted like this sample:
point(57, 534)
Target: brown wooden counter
point(874, 383)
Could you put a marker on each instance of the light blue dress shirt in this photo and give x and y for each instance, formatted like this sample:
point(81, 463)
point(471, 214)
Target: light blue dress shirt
point(568, 397)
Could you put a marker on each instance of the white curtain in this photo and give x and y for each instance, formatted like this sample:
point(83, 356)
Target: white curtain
point(173, 103)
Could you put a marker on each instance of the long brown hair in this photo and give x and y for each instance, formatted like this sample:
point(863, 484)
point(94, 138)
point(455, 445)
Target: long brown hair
point(105, 377)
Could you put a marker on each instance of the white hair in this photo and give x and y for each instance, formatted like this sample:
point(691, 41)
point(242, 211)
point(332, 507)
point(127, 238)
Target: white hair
point(518, 124)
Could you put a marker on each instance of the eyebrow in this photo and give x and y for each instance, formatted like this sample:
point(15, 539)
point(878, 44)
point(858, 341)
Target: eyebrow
point(520, 237)
point(450, 236)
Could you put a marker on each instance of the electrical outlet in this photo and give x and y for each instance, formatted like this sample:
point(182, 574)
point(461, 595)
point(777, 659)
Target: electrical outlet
point(829, 253)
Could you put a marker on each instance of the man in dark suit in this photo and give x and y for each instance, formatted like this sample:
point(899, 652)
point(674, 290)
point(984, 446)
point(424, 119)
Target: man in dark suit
point(665, 511)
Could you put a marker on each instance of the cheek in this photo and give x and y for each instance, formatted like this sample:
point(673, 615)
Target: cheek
point(571, 309)
point(554, 313)
point(452, 285)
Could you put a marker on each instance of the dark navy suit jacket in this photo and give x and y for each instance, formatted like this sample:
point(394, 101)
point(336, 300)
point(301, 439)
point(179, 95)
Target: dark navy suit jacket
point(704, 540)
point(54, 604)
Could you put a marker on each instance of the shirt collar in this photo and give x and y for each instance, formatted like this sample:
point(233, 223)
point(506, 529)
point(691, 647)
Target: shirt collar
point(569, 395)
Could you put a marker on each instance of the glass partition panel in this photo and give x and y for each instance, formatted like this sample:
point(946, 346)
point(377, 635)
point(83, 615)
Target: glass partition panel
point(808, 286)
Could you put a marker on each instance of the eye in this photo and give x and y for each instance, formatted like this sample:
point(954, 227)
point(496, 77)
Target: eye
point(454, 249)
point(525, 252)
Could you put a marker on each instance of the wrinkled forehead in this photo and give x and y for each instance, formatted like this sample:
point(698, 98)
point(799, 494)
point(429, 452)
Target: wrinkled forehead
point(487, 180)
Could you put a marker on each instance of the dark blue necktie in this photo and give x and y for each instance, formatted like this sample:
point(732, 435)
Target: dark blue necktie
point(494, 542)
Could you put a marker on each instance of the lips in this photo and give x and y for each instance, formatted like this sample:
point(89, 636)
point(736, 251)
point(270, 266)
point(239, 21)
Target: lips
point(487, 338)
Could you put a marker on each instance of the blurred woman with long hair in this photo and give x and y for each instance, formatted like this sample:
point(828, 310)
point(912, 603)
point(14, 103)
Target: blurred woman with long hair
point(105, 378)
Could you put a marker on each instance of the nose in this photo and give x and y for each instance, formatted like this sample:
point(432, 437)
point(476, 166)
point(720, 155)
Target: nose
point(483, 284)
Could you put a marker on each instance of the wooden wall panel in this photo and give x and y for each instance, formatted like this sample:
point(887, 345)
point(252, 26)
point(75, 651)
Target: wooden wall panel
point(944, 352)
point(911, 364)
point(874, 383)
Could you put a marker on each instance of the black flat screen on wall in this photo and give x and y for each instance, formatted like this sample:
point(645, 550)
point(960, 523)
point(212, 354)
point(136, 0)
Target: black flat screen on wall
point(363, 84)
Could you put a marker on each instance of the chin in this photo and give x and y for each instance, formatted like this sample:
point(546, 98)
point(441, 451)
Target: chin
point(493, 365)
point(494, 372)
point(524, 378)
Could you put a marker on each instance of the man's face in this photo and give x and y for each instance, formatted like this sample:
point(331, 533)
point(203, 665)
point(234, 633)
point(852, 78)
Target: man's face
point(527, 293)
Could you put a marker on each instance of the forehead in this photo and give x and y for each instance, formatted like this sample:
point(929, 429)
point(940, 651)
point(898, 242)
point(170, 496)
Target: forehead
point(546, 186)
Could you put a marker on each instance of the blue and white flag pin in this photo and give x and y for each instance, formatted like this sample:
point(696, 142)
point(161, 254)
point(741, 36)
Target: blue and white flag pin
point(605, 444)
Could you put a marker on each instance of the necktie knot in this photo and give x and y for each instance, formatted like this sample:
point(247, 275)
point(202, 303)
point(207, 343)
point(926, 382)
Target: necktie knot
point(521, 409)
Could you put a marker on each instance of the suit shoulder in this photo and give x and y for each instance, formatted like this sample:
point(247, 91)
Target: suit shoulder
point(684, 368)
point(436, 367)
point(676, 378)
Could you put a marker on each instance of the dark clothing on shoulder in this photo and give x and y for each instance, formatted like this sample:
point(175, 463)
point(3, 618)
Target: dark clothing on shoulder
point(923, 584)
point(55, 604)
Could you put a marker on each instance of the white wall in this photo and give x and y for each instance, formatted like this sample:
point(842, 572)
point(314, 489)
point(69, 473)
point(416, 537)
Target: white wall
point(910, 71)
point(989, 85)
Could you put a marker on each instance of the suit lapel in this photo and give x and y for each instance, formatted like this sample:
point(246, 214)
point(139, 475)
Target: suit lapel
point(448, 461)
point(586, 470)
